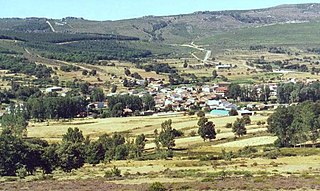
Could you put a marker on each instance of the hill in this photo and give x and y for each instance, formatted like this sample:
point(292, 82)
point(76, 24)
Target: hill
point(175, 28)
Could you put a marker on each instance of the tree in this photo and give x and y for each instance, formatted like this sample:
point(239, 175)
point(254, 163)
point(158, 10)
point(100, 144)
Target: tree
point(265, 93)
point(114, 88)
point(185, 64)
point(148, 102)
point(279, 123)
point(201, 114)
point(95, 152)
point(239, 127)
point(234, 91)
point(295, 124)
point(11, 153)
point(97, 95)
point(15, 121)
point(85, 72)
point(246, 119)
point(206, 129)
point(140, 143)
point(127, 72)
point(71, 156)
point(214, 74)
point(93, 72)
point(166, 136)
point(84, 88)
point(16, 153)
point(73, 136)
point(125, 82)
point(50, 158)
point(121, 152)
point(233, 112)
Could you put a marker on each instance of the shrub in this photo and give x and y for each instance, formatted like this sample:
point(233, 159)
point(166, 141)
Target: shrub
point(177, 133)
point(191, 112)
point(247, 151)
point(157, 186)
point(272, 154)
point(192, 133)
point(22, 172)
point(114, 172)
point(233, 112)
point(201, 114)
point(246, 119)
point(229, 125)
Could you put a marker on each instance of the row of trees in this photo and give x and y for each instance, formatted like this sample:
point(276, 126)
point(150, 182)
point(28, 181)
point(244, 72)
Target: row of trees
point(55, 107)
point(299, 92)
point(249, 92)
point(59, 37)
point(296, 124)
point(118, 103)
point(18, 155)
point(89, 51)
point(286, 92)
point(207, 128)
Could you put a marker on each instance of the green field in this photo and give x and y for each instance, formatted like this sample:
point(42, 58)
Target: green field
point(289, 35)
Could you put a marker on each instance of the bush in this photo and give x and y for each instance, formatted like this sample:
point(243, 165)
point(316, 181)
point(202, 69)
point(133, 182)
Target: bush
point(272, 154)
point(229, 125)
point(246, 119)
point(114, 172)
point(95, 116)
point(233, 112)
point(201, 114)
point(22, 172)
point(177, 133)
point(191, 112)
point(192, 133)
point(157, 186)
point(247, 151)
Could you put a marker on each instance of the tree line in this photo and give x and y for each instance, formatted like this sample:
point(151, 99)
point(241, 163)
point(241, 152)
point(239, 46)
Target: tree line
point(118, 103)
point(55, 107)
point(298, 92)
point(21, 65)
point(296, 124)
point(249, 92)
point(27, 155)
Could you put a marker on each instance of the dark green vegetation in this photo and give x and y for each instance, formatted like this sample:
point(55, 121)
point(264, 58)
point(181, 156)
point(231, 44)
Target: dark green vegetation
point(22, 65)
point(299, 92)
point(206, 129)
point(296, 124)
point(289, 35)
point(20, 155)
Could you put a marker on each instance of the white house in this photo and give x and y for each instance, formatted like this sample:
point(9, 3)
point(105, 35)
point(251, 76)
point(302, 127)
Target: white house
point(54, 89)
point(223, 67)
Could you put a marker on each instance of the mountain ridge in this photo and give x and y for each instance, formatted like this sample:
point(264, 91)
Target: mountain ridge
point(172, 28)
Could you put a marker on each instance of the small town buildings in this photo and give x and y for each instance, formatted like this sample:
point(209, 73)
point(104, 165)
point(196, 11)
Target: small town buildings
point(54, 89)
point(223, 67)
point(246, 112)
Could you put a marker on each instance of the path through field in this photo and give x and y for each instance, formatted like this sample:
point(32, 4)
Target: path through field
point(255, 141)
point(50, 26)
point(188, 141)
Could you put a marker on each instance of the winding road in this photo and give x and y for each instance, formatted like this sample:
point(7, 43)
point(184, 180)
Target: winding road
point(198, 47)
point(50, 26)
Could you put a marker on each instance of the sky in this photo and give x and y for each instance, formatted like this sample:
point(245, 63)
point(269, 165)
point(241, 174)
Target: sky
point(125, 9)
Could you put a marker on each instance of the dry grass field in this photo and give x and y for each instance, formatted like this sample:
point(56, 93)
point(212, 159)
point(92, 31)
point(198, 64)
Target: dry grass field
point(192, 168)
